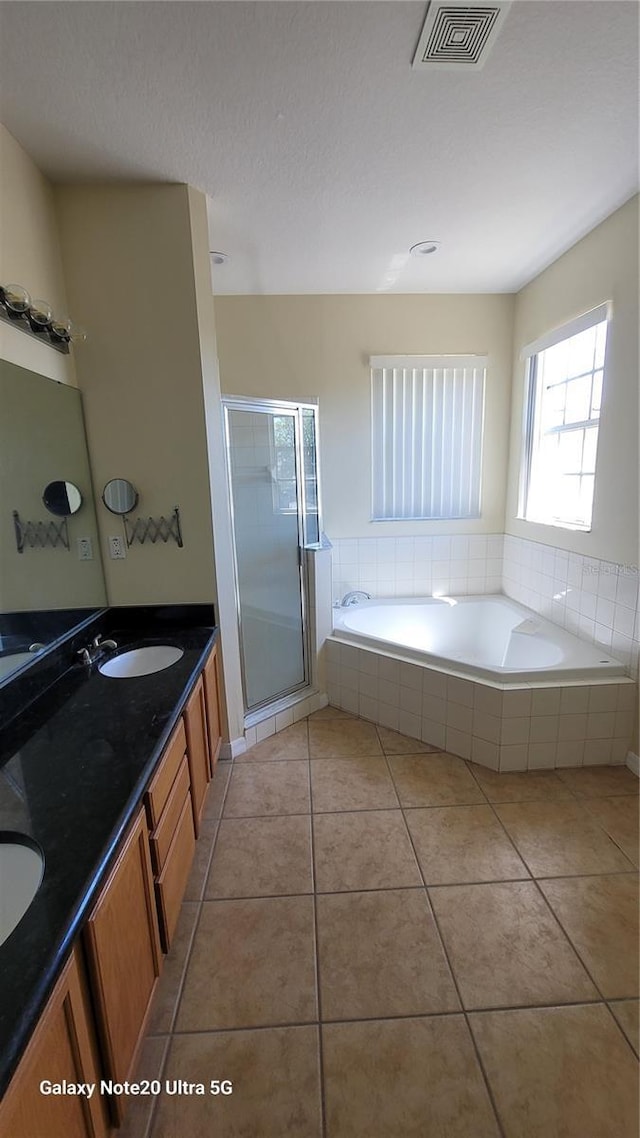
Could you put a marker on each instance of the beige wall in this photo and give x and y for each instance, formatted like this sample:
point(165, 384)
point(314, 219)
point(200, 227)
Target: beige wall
point(302, 347)
point(603, 266)
point(130, 275)
point(30, 256)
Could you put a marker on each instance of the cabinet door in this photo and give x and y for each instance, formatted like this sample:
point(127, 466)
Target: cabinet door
point(62, 1047)
point(212, 694)
point(195, 720)
point(123, 953)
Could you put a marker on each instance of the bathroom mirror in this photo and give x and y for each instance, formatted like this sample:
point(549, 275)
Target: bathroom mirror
point(120, 496)
point(46, 590)
point(62, 498)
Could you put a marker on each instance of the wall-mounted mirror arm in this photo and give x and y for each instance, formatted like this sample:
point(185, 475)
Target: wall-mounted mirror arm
point(37, 535)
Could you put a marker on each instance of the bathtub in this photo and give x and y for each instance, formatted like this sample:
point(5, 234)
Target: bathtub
point(491, 637)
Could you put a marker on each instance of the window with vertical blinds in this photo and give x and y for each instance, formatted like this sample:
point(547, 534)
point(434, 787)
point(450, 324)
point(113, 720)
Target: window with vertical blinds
point(427, 416)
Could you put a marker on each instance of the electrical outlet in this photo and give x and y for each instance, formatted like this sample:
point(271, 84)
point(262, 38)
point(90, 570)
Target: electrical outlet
point(117, 548)
point(85, 549)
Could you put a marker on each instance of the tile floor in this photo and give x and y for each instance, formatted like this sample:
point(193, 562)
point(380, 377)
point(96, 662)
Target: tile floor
point(383, 941)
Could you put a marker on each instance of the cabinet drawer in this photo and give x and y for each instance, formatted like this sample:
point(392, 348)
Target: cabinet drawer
point(162, 836)
point(172, 882)
point(165, 776)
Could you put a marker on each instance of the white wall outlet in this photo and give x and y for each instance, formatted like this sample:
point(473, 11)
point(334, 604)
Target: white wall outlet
point(117, 548)
point(85, 549)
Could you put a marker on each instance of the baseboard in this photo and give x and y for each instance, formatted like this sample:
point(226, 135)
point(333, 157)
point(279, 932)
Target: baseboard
point(633, 763)
point(233, 748)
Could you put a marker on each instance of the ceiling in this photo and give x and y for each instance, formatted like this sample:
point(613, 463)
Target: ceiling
point(324, 154)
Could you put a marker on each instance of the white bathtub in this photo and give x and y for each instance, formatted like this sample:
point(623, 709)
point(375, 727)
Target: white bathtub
point(486, 636)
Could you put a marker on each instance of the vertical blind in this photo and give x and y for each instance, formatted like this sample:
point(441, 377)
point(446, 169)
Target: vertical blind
point(427, 414)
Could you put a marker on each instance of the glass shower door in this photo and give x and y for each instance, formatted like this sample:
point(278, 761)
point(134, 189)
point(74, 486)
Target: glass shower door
point(264, 468)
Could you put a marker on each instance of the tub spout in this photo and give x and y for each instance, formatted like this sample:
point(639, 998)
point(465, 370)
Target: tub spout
point(353, 598)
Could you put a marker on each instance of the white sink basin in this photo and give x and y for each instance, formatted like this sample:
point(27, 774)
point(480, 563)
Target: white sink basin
point(141, 661)
point(21, 871)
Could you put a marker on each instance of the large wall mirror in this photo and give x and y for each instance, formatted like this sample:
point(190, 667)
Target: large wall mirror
point(50, 570)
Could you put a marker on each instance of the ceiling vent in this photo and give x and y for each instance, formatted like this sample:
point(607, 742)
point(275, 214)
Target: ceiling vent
point(459, 34)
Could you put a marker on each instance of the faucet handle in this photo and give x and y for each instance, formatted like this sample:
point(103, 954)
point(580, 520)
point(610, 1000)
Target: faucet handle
point(84, 655)
point(95, 643)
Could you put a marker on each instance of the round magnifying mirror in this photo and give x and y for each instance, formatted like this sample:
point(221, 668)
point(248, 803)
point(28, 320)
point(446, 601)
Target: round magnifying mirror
point(62, 498)
point(120, 496)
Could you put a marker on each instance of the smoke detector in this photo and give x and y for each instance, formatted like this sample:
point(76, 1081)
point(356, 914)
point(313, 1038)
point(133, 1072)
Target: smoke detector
point(457, 35)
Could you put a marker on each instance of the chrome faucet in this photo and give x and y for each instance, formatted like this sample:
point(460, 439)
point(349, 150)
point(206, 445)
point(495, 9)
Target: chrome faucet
point(352, 598)
point(90, 654)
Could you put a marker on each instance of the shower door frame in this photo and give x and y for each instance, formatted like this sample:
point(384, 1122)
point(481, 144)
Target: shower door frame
point(294, 409)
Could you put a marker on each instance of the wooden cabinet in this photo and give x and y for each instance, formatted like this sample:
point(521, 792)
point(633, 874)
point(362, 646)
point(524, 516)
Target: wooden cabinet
point(172, 880)
point(213, 705)
point(123, 953)
point(172, 840)
point(195, 721)
point(63, 1046)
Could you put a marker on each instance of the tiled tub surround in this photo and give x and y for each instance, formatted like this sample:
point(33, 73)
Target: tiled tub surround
point(418, 566)
point(596, 600)
point(504, 727)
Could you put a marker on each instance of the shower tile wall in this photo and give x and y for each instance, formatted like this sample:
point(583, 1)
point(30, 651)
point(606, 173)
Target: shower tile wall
point(418, 566)
point(597, 600)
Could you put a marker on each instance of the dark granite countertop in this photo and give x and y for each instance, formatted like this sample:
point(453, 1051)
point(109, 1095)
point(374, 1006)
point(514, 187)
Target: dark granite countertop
point(74, 764)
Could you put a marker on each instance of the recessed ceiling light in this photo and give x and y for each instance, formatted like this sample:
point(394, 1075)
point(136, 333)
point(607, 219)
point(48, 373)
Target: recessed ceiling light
point(424, 248)
point(218, 258)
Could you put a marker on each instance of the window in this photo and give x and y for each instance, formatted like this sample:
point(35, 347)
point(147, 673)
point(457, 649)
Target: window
point(562, 416)
point(287, 431)
point(427, 414)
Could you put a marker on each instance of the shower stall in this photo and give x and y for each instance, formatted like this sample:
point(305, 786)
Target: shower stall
point(273, 484)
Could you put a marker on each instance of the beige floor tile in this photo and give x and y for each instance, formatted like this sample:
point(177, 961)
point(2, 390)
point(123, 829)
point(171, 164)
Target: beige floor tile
point(527, 786)
point(351, 784)
point(216, 792)
point(275, 1078)
point(463, 843)
point(342, 738)
point(166, 995)
point(380, 955)
point(433, 780)
point(252, 963)
point(261, 857)
point(407, 1078)
point(620, 818)
point(330, 712)
point(559, 1072)
point(259, 789)
point(600, 917)
point(560, 838)
point(363, 850)
point(292, 743)
point(201, 859)
point(505, 947)
point(393, 743)
point(627, 1013)
point(139, 1108)
point(597, 782)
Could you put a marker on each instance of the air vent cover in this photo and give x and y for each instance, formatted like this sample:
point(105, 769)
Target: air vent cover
point(458, 35)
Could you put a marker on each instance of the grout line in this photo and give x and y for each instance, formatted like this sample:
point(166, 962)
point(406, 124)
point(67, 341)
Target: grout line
point(148, 1131)
point(395, 1016)
point(554, 915)
point(618, 1024)
point(452, 973)
point(323, 1113)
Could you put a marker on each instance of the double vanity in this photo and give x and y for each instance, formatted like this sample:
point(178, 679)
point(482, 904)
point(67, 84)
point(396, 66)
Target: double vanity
point(106, 758)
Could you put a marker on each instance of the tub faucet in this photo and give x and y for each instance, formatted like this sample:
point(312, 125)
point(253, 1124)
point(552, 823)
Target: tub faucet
point(352, 598)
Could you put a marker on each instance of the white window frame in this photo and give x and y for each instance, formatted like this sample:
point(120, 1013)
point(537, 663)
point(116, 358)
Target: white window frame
point(532, 410)
point(404, 441)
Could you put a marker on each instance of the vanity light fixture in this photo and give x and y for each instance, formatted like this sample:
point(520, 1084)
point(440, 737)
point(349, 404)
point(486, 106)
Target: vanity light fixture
point(36, 318)
point(424, 248)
